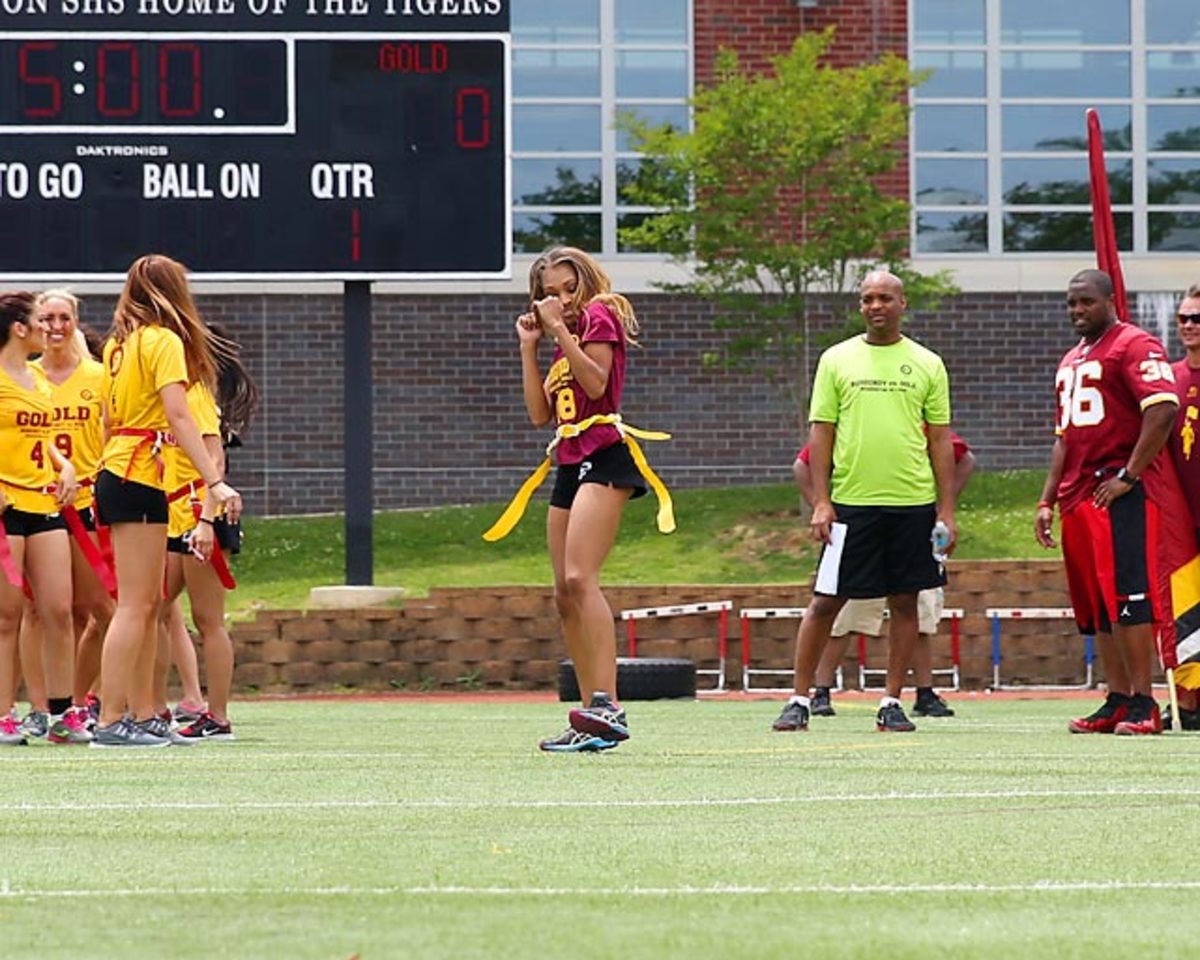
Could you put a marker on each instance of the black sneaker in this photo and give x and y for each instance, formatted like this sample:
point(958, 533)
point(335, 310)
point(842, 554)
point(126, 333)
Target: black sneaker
point(1188, 719)
point(794, 717)
point(931, 705)
point(822, 703)
point(891, 719)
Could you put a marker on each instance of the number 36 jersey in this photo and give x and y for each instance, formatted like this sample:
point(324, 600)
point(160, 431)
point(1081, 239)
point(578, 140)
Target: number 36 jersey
point(1103, 389)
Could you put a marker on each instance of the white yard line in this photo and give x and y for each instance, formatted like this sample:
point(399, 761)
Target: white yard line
point(9, 892)
point(86, 806)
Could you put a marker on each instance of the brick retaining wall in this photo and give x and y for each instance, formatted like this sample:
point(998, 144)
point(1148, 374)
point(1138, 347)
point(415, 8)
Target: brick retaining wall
point(508, 637)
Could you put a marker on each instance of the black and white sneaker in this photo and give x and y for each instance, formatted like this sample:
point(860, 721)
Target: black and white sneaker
point(793, 718)
point(822, 703)
point(891, 719)
point(931, 705)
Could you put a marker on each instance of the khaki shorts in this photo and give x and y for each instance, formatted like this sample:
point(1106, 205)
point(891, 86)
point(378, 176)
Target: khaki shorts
point(866, 616)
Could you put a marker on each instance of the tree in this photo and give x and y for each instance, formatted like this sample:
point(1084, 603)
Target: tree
point(785, 199)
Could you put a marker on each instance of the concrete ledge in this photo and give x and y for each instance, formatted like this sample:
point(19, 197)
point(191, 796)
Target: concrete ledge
point(347, 598)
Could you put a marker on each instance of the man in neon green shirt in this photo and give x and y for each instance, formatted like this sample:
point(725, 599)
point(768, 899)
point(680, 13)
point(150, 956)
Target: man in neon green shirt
point(875, 397)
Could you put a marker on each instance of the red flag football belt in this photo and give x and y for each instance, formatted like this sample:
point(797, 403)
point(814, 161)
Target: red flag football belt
point(154, 439)
point(219, 564)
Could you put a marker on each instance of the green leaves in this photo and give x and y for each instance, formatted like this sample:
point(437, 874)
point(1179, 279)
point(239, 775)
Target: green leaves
point(785, 197)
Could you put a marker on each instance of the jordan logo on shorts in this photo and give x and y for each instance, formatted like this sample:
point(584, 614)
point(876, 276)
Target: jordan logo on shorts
point(584, 468)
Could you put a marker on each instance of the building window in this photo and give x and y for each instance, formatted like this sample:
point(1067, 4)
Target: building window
point(999, 137)
point(576, 63)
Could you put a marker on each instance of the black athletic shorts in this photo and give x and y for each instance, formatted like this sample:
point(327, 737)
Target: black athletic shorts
point(127, 501)
point(885, 550)
point(22, 523)
point(87, 517)
point(613, 466)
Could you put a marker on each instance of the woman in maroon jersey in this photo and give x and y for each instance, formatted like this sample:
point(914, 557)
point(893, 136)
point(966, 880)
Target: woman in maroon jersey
point(591, 327)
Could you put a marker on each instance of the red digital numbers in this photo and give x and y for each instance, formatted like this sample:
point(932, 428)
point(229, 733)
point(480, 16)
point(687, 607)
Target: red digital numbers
point(118, 78)
point(34, 84)
point(472, 118)
point(179, 88)
point(119, 73)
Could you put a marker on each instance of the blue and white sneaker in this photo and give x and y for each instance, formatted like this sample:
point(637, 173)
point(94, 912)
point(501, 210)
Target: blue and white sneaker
point(573, 741)
point(601, 718)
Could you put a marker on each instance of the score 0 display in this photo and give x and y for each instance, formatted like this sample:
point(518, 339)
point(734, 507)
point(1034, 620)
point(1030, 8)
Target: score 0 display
point(323, 156)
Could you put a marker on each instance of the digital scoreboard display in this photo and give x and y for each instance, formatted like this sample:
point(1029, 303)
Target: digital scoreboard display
point(318, 150)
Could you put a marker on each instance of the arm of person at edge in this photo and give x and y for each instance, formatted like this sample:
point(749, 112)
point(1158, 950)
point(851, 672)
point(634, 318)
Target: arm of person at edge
point(941, 457)
point(1044, 519)
point(1157, 421)
point(203, 535)
point(590, 364)
point(820, 465)
point(66, 487)
point(962, 473)
point(803, 478)
point(187, 436)
point(537, 401)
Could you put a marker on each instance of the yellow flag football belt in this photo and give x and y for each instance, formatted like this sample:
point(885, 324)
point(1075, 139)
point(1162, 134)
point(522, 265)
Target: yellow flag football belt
point(516, 507)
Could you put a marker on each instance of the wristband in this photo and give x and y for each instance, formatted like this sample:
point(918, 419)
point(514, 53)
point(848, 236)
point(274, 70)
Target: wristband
point(1045, 503)
point(1126, 477)
point(205, 520)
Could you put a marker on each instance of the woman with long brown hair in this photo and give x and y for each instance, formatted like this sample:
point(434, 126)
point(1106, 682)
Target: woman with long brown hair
point(600, 468)
point(159, 346)
point(36, 481)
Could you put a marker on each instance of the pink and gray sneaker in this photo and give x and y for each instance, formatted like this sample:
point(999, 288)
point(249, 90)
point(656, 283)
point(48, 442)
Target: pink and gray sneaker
point(71, 727)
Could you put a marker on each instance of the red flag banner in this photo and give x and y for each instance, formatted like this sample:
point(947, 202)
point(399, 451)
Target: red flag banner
point(1104, 234)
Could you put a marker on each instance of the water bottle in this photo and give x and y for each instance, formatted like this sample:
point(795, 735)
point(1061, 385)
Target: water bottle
point(940, 539)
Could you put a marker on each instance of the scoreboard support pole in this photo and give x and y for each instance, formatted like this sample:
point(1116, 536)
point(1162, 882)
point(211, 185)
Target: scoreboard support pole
point(357, 433)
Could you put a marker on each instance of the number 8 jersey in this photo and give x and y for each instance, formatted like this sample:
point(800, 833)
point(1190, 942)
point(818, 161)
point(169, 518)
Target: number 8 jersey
point(1103, 389)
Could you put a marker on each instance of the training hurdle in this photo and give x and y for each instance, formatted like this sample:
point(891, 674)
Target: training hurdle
point(746, 614)
point(719, 607)
point(997, 614)
point(954, 615)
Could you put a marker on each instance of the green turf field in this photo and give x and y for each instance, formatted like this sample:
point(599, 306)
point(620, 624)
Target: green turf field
point(436, 829)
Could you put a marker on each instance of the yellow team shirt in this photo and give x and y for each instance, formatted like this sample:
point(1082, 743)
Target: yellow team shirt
point(134, 373)
point(26, 469)
point(78, 427)
point(184, 475)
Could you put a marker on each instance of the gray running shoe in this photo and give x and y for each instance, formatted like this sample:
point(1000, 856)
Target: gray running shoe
point(71, 727)
point(36, 724)
point(161, 727)
point(11, 733)
point(126, 733)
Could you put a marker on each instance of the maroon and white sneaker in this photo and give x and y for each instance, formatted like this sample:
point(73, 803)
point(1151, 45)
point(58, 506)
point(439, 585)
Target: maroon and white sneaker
point(1114, 709)
point(206, 727)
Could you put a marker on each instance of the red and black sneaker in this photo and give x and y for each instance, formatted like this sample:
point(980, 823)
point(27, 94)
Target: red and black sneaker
point(1114, 709)
point(1143, 718)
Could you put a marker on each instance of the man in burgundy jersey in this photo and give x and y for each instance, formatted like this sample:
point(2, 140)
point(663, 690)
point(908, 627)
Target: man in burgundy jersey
point(1185, 452)
point(1116, 407)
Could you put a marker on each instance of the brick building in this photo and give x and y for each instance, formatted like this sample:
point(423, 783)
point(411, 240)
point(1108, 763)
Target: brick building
point(996, 173)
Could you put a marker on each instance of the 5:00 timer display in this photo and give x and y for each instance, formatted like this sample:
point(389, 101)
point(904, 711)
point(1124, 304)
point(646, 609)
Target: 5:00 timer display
point(167, 82)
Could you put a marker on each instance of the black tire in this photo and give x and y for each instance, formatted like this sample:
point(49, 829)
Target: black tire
point(638, 678)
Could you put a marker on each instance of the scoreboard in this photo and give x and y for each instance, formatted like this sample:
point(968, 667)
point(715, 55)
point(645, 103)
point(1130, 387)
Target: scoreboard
point(272, 139)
